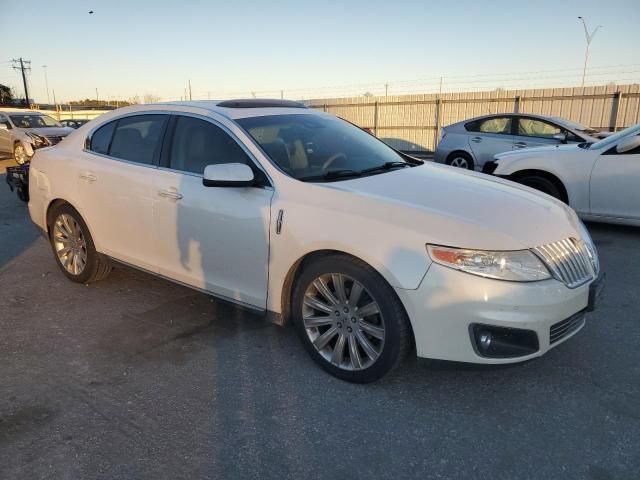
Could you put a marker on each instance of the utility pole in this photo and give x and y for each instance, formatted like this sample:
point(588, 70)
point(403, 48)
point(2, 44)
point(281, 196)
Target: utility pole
point(281, 94)
point(97, 95)
point(588, 37)
point(55, 106)
point(440, 86)
point(46, 83)
point(23, 69)
point(386, 89)
point(190, 90)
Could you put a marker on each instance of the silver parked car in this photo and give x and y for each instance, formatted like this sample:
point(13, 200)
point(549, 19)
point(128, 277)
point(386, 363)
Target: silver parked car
point(472, 143)
point(23, 132)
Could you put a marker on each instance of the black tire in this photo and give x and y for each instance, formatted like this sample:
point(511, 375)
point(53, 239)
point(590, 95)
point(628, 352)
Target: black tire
point(398, 337)
point(542, 184)
point(97, 266)
point(23, 194)
point(455, 158)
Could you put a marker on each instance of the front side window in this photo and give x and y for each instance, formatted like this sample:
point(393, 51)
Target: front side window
point(138, 138)
point(197, 143)
point(33, 121)
point(317, 147)
point(530, 127)
point(498, 125)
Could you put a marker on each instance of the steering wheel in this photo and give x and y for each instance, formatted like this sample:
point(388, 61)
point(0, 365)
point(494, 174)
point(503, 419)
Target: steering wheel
point(332, 159)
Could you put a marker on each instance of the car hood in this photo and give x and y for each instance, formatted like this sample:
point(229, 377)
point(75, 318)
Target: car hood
point(50, 131)
point(449, 206)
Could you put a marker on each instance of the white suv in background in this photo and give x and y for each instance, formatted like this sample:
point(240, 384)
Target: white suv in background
point(300, 215)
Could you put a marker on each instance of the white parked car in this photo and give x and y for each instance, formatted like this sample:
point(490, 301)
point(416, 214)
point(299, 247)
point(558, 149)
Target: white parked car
point(303, 216)
point(601, 180)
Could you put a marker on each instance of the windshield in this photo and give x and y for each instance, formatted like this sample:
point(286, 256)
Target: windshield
point(33, 121)
point(574, 125)
point(613, 139)
point(315, 147)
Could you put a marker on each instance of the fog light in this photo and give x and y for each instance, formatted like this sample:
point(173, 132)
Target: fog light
point(502, 342)
point(484, 341)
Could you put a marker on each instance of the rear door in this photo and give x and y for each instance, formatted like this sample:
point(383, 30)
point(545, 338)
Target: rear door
point(615, 184)
point(115, 176)
point(488, 137)
point(533, 132)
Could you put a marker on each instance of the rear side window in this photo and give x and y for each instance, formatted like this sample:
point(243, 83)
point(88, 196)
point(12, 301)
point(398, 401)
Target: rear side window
point(138, 138)
point(101, 138)
point(501, 125)
point(197, 143)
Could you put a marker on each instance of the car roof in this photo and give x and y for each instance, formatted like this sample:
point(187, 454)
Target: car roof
point(21, 112)
point(507, 114)
point(244, 108)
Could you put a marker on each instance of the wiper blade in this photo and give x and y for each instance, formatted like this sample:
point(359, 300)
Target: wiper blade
point(332, 175)
point(385, 166)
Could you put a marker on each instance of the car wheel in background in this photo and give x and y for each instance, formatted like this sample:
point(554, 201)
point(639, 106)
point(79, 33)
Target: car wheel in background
point(20, 154)
point(460, 160)
point(349, 319)
point(542, 184)
point(73, 246)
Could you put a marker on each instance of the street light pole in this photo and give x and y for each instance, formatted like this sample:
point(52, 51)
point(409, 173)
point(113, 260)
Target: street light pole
point(46, 83)
point(588, 37)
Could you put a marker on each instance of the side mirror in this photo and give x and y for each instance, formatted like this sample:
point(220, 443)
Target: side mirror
point(561, 137)
point(3, 126)
point(228, 175)
point(627, 144)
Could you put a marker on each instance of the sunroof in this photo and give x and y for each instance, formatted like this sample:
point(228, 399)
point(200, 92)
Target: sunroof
point(260, 103)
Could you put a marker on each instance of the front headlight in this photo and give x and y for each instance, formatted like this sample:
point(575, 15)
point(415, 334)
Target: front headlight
point(38, 141)
point(516, 266)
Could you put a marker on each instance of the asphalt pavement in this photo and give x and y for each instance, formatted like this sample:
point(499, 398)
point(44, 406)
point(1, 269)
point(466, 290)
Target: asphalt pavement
point(137, 378)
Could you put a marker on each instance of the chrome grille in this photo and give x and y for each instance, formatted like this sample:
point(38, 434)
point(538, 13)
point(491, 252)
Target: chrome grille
point(569, 261)
point(566, 327)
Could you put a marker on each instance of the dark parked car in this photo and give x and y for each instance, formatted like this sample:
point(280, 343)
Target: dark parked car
point(74, 122)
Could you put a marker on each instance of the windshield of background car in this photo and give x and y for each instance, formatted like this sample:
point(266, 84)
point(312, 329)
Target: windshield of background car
point(33, 121)
point(305, 146)
point(613, 139)
point(573, 125)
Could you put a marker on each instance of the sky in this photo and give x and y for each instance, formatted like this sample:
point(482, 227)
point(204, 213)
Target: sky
point(312, 48)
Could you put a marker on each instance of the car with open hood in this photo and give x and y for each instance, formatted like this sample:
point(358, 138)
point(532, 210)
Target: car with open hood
point(306, 218)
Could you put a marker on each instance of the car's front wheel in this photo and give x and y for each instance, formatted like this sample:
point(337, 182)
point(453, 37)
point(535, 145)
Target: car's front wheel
point(350, 320)
point(542, 184)
point(73, 246)
point(20, 154)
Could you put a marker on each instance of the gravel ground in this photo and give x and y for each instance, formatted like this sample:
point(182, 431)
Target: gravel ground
point(137, 378)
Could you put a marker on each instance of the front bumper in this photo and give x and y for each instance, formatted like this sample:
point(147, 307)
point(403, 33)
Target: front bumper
point(448, 303)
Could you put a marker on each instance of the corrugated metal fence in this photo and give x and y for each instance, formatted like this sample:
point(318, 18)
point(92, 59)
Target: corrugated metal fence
point(413, 122)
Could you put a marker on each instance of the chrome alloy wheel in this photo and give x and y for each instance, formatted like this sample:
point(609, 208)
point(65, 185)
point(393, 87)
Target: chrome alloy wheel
point(20, 154)
point(69, 244)
point(343, 321)
point(460, 162)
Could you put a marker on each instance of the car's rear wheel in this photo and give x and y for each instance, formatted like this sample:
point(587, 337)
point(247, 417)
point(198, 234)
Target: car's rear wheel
point(460, 160)
point(20, 154)
point(349, 319)
point(73, 247)
point(542, 184)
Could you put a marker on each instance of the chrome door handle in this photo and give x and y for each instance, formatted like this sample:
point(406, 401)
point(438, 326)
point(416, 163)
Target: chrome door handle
point(174, 195)
point(89, 177)
point(476, 139)
point(520, 144)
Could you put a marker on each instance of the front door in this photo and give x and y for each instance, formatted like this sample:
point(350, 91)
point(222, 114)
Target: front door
point(615, 184)
point(212, 238)
point(533, 132)
point(5, 135)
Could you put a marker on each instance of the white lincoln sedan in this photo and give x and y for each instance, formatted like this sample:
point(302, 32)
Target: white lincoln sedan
point(307, 218)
